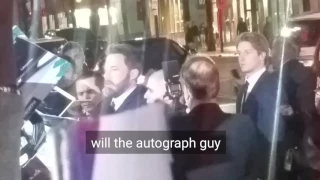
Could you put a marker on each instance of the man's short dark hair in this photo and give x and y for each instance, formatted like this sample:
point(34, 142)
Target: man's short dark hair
point(257, 40)
point(200, 74)
point(70, 46)
point(132, 56)
point(99, 80)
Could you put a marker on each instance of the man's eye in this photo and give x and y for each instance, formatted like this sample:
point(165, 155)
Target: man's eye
point(247, 52)
point(90, 91)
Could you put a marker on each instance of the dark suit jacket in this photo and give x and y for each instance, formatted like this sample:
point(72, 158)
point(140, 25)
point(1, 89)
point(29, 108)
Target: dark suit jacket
point(299, 84)
point(133, 101)
point(235, 164)
point(261, 105)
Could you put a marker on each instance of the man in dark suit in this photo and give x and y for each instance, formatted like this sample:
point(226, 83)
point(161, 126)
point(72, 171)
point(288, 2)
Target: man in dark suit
point(259, 99)
point(299, 83)
point(200, 78)
point(121, 68)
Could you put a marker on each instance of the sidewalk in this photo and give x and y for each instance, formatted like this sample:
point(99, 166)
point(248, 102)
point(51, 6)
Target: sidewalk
point(229, 51)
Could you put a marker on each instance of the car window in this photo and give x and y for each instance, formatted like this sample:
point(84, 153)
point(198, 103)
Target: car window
point(309, 33)
point(76, 34)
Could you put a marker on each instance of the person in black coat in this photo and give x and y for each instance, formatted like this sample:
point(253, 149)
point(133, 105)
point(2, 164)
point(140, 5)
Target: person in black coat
point(242, 27)
point(200, 78)
point(121, 68)
point(259, 98)
point(299, 83)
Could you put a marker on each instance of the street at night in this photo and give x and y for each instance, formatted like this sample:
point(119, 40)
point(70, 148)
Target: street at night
point(160, 89)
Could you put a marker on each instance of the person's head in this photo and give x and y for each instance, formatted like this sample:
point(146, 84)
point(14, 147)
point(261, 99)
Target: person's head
point(284, 50)
point(240, 19)
point(121, 68)
point(253, 50)
point(200, 79)
point(76, 53)
point(156, 86)
point(88, 88)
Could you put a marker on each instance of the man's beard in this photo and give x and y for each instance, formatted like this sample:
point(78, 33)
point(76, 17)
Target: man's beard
point(119, 88)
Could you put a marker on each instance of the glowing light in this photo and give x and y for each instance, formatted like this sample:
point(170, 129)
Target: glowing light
point(103, 15)
point(138, 38)
point(113, 14)
point(141, 79)
point(83, 17)
point(286, 32)
point(78, 1)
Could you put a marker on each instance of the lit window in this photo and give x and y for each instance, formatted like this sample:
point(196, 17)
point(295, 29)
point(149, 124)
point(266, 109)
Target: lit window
point(83, 17)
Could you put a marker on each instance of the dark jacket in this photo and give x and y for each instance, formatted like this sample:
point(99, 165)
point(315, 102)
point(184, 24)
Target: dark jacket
point(260, 105)
point(240, 135)
point(242, 27)
point(299, 84)
point(133, 101)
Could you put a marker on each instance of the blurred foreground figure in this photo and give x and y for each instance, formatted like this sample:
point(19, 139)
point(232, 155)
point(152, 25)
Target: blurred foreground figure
point(11, 109)
point(257, 98)
point(200, 79)
point(299, 83)
point(122, 166)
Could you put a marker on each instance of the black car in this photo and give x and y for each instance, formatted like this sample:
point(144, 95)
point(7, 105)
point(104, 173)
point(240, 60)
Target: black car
point(52, 45)
point(92, 44)
point(157, 50)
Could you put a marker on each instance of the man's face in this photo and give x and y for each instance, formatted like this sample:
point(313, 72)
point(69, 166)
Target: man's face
point(249, 58)
point(78, 57)
point(89, 93)
point(116, 74)
point(156, 90)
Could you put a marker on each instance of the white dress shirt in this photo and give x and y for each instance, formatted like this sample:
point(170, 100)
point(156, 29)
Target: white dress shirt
point(253, 79)
point(119, 100)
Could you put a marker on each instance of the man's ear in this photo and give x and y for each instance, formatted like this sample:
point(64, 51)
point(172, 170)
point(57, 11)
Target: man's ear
point(263, 56)
point(186, 92)
point(134, 74)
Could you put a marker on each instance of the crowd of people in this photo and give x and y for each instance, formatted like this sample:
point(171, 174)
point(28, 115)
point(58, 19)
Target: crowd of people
point(272, 136)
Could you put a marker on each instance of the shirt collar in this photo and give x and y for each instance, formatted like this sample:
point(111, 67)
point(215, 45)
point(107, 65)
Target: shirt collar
point(252, 80)
point(119, 100)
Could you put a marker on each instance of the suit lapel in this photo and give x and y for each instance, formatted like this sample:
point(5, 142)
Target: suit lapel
point(134, 100)
point(251, 98)
point(239, 98)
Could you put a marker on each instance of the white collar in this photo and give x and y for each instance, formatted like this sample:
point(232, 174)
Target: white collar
point(119, 100)
point(253, 79)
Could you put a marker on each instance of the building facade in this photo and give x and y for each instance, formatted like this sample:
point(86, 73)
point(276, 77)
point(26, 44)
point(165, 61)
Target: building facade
point(136, 18)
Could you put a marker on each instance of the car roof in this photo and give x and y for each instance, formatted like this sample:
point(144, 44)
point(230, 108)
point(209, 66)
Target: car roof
point(306, 17)
point(157, 50)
